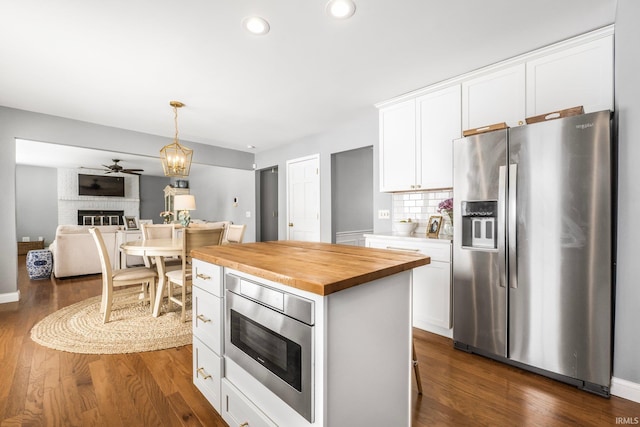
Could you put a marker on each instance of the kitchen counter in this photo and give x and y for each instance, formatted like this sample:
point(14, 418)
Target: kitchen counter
point(412, 237)
point(320, 268)
point(360, 304)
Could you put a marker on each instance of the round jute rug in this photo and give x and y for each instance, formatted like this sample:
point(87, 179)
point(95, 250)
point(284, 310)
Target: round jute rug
point(78, 328)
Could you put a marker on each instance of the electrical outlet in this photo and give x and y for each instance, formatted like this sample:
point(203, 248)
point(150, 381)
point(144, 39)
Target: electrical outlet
point(384, 214)
point(247, 214)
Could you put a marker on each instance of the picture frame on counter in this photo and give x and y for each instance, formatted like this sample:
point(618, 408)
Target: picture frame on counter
point(433, 226)
point(131, 223)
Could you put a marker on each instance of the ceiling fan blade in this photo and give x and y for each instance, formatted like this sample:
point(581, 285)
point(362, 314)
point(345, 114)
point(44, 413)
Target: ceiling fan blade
point(134, 170)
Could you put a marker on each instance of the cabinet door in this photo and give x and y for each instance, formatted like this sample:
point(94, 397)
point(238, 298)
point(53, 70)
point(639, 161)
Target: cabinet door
point(494, 98)
point(432, 295)
point(208, 316)
point(439, 123)
point(582, 75)
point(207, 372)
point(398, 147)
point(129, 260)
point(238, 410)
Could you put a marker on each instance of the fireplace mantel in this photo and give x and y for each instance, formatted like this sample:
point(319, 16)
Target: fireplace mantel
point(69, 202)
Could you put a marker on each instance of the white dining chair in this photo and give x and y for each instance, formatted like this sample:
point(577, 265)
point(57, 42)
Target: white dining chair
point(122, 277)
point(159, 231)
point(235, 233)
point(191, 238)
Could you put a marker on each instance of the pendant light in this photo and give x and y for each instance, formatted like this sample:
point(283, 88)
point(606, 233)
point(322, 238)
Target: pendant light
point(176, 158)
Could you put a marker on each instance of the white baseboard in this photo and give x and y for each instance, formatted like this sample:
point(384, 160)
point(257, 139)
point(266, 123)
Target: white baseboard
point(433, 329)
point(10, 297)
point(625, 389)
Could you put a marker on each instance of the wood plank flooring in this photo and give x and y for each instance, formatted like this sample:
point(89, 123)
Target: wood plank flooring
point(39, 386)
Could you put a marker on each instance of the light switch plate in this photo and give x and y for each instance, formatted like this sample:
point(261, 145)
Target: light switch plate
point(384, 214)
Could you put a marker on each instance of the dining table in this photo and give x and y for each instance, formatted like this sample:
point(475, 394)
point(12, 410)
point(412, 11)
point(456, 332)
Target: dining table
point(159, 249)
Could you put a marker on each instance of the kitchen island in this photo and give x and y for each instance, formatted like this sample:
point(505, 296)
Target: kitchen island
point(350, 362)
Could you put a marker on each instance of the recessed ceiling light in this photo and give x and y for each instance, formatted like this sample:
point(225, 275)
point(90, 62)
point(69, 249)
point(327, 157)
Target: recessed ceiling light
point(341, 9)
point(251, 147)
point(256, 25)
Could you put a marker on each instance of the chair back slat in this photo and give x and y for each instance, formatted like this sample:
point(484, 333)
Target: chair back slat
point(105, 262)
point(235, 233)
point(158, 231)
point(198, 237)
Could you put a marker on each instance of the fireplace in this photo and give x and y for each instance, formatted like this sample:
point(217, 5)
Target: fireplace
point(100, 217)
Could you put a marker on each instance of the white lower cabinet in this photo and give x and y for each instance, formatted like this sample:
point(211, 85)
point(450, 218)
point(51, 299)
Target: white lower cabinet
point(237, 410)
point(431, 293)
point(207, 372)
point(124, 236)
point(207, 320)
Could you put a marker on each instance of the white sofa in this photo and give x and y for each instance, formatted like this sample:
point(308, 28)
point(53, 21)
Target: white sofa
point(75, 252)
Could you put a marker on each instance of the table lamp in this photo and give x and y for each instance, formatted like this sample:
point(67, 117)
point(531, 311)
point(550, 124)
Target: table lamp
point(185, 203)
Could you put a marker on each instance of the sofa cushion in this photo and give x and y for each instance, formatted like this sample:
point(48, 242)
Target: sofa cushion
point(75, 252)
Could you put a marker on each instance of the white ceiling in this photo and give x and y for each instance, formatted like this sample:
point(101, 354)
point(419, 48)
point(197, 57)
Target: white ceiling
point(119, 63)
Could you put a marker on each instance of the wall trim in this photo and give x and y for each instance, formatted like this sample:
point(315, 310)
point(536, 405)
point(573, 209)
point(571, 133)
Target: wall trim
point(10, 297)
point(625, 389)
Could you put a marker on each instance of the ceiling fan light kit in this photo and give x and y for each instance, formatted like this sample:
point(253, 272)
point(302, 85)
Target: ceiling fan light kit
point(116, 168)
point(176, 158)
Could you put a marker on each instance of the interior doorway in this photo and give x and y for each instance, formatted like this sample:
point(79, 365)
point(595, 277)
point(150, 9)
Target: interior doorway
point(352, 196)
point(267, 227)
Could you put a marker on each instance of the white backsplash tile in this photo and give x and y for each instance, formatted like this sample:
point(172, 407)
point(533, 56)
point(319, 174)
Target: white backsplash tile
point(418, 206)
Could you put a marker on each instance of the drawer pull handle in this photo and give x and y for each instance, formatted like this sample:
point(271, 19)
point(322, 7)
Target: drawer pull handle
point(203, 373)
point(203, 276)
point(202, 318)
point(245, 424)
point(402, 249)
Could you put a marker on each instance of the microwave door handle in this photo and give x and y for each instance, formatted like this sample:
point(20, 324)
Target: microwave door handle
point(502, 261)
point(513, 235)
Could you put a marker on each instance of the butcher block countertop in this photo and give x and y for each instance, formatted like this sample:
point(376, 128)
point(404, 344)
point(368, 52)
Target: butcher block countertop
point(320, 268)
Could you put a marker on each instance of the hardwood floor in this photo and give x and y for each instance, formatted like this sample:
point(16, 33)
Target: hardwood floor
point(39, 386)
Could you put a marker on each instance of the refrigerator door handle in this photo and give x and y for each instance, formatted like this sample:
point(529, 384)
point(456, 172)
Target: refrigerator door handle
point(502, 261)
point(512, 250)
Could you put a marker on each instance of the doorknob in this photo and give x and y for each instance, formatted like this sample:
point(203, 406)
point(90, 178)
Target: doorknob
point(290, 224)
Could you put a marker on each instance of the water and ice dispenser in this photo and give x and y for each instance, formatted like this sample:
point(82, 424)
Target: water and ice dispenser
point(479, 221)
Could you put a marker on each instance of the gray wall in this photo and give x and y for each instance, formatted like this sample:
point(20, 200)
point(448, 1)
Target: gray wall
point(627, 340)
point(152, 197)
point(36, 202)
point(41, 127)
point(352, 190)
point(362, 131)
point(216, 187)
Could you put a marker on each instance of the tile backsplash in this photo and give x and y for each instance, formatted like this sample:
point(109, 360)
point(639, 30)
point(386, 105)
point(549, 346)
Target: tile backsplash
point(418, 206)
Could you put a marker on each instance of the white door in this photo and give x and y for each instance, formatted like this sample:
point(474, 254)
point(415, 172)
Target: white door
point(303, 199)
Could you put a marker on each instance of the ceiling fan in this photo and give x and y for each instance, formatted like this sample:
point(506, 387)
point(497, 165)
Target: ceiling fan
point(116, 168)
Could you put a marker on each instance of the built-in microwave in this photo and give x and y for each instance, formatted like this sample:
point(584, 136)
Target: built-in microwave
point(269, 333)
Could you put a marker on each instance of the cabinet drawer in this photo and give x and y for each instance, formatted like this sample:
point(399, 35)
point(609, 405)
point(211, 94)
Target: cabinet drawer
point(207, 371)
point(208, 276)
point(207, 318)
point(237, 410)
point(437, 251)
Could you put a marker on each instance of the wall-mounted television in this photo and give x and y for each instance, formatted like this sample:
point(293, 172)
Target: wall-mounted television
point(100, 185)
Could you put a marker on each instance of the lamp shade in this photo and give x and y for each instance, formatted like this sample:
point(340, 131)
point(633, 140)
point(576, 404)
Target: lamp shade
point(185, 202)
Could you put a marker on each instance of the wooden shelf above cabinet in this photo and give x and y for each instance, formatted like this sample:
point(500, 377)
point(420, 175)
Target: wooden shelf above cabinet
point(484, 129)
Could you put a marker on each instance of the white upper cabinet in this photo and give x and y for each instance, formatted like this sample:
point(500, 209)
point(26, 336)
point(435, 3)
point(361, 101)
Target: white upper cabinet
point(416, 129)
point(415, 141)
point(439, 123)
point(495, 97)
point(581, 75)
point(398, 146)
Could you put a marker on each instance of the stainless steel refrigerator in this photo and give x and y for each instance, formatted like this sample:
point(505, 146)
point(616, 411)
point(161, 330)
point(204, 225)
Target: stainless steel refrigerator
point(533, 247)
